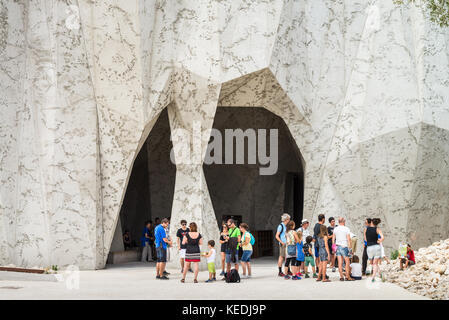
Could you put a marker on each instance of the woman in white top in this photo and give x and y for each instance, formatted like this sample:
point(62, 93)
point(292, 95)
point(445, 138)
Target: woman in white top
point(247, 250)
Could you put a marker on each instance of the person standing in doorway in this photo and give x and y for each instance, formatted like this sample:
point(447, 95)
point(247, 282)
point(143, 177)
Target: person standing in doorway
point(182, 247)
point(280, 237)
point(162, 244)
point(232, 249)
point(304, 229)
point(193, 240)
point(224, 243)
point(146, 240)
point(247, 251)
point(342, 239)
point(167, 232)
point(316, 232)
point(330, 232)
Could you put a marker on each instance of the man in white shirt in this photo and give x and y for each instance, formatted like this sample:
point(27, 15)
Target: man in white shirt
point(304, 229)
point(342, 239)
point(305, 233)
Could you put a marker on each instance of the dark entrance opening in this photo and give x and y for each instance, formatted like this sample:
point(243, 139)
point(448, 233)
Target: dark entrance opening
point(240, 190)
point(149, 194)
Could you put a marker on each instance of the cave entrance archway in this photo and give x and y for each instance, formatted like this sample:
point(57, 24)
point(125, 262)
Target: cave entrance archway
point(240, 191)
point(149, 194)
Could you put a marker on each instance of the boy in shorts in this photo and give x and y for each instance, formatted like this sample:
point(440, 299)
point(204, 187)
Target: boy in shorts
point(308, 258)
point(210, 256)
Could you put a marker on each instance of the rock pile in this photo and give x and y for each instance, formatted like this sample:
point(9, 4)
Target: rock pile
point(429, 277)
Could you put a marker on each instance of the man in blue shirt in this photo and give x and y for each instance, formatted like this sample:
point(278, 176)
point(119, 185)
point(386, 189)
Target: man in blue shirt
point(161, 241)
point(280, 237)
point(146, 240)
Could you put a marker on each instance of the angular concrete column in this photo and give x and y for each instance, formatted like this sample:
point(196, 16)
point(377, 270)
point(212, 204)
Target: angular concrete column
point(191, 117)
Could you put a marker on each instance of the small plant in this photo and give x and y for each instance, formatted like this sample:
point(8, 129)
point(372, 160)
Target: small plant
point(394, 255)
point(439, 10)
point(54, 268)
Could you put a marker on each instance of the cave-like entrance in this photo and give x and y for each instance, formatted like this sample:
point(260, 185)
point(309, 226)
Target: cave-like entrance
point(239, 190)
point(149, 194)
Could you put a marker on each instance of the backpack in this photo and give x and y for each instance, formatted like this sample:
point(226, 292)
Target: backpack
point(291, 248)
point(284, 228)
point(253, 240)
point(232, 276)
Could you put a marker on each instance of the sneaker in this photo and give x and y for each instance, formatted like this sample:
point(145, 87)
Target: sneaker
point(248, 276)
point(295, 278)
point(307, 276)
point(333, 269)
point(214, 279)
point(165, 273)
point(158, 277)
point(209, 280)
point(281, 274)
point(290, 273)
point(315, 275)
point(222, 273)
point(286, 277)
point(299, 274)
point(164, 278)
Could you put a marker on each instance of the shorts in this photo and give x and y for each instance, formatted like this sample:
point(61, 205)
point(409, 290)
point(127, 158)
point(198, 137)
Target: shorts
point(228, 258)
point(161, 254)
point(410, 262)
point(317, 254)
point(292, 261)
point(323, 255)
point(246, 256)
point(342, 251)
point(182, 253)
point(309, 261)
point(374, 252)
point(282, 250)
point(211, 267)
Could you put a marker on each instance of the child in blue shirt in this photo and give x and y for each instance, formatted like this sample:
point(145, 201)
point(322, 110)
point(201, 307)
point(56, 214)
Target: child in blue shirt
point(299, 255)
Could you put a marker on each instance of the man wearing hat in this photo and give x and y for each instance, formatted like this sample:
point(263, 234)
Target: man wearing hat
point(305, 233)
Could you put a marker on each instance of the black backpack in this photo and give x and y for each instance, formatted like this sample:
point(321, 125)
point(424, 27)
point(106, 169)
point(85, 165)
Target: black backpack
point(232, 276)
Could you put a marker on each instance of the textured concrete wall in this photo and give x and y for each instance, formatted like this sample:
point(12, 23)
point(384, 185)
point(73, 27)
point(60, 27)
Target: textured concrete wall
point(362, 87)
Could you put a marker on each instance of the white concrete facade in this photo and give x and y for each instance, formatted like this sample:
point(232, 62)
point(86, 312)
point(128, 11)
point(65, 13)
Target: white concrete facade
point(363, 87)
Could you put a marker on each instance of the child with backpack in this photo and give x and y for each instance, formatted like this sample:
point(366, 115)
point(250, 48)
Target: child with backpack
point(247, 246)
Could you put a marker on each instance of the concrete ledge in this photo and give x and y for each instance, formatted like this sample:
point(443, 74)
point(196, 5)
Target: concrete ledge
point(131, 255)
point(24, 276)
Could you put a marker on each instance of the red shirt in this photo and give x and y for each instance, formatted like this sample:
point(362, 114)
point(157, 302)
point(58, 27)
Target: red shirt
point(411, 256)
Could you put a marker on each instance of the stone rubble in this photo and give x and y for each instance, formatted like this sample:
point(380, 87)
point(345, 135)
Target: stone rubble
point(429, 277)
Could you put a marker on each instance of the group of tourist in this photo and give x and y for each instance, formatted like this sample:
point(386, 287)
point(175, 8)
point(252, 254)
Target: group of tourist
point(331, 245)
point(302, 252)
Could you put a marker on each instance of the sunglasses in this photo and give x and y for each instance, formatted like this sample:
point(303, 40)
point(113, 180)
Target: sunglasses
point(183, 224)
